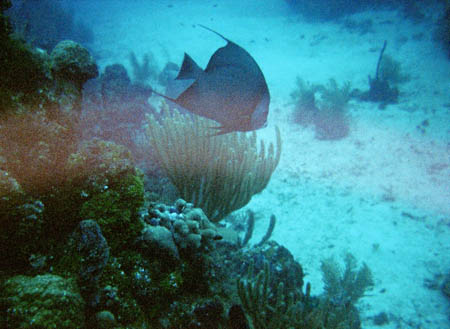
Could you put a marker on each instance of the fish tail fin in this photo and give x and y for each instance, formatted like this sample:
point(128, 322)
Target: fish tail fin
point(211, 30)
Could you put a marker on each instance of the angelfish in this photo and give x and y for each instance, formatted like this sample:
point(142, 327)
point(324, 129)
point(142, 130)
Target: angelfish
point(231, 90)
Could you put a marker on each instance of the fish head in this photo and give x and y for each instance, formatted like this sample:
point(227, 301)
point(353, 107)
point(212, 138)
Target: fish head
point(259, 115)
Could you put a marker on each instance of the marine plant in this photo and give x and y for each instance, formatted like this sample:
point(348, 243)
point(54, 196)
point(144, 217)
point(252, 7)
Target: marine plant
point(271, 307)
point(331, 121)
point(345, 286)
point(145, 70)
point(380, 89)
point(249, 219)
point(391, 70)
point(324, 106)
point(305, 102)
point(219, 174)
point(335, 96)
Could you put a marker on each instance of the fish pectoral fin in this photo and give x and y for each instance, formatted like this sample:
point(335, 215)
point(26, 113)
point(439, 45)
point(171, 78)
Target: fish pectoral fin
point(189, 69)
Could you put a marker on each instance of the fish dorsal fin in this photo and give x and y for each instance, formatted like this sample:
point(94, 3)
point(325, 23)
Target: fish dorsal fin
point(222, 56)
point(189, 69)
point(231, 55)
point(211, 30)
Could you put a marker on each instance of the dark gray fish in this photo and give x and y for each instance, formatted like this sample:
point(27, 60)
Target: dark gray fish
point(231, 90)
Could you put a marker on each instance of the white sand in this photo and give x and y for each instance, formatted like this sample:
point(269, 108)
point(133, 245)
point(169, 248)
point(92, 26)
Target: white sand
point(382, 193)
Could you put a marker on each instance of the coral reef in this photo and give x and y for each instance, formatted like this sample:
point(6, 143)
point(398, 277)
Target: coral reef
point(72, 66)
point(37, 136)
point(24, 70)
point(84, 242)
point(38, 127)
point(177, 229)
point(99, 183)
point(113, 189)
point(21, 219)
point(43, 301)
point(114, 109)
point(178, 273)
point(93, 249)
point(44, 23)
point(219, 174)
point(22, 67)
point(72, 62)
point(36, 148)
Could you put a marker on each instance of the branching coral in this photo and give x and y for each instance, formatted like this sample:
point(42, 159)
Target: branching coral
point(218, 174)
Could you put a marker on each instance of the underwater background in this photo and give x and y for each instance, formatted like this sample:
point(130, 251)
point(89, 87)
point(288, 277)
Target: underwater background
point(118, 210)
